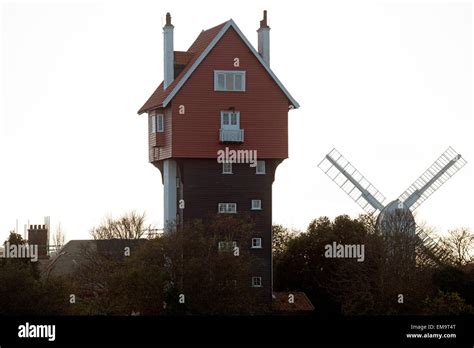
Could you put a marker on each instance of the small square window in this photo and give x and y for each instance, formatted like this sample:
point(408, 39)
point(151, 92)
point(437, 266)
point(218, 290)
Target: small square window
point(232, 207)
point(227, 168)
point(256, 282)
point(256, 243)
point(227, 208)
point(260, 167)
point(256, 204)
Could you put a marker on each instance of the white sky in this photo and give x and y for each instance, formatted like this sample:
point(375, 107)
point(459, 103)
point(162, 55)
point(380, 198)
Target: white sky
point(389, 84)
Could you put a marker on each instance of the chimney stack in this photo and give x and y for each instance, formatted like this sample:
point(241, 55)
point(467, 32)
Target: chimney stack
point(264, 39)
point(38, 235)
point(168, 58)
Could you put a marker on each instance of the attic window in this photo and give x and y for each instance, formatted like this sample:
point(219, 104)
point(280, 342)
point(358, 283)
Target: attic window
point(229, 80)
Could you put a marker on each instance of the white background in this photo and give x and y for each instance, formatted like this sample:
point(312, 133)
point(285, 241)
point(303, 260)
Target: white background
point(389, 84)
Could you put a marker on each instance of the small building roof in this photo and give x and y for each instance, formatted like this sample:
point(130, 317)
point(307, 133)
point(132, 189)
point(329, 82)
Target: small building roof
point(282, 303)
point(74, 254)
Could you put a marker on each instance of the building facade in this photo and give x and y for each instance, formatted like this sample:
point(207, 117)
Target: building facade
point(218, 129)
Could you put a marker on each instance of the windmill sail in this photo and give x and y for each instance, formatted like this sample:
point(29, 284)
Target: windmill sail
point(431, 250)
point(352, 182)
point(448, 164)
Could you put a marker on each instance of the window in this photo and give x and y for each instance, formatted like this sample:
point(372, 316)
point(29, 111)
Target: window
point(230, 120)
point(229, 80)
point(227, 207)
point(153, 123)
point(256, 204)
point(256, 243)
point(256, 282)
point(227, 168)
point(226, 246)
point(260, 167)
point(160, 126)
point(157, 123)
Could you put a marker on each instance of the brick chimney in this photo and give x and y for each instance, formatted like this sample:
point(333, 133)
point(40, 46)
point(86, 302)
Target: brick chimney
point(168, 58)
point(264, 39)
point(38, 235)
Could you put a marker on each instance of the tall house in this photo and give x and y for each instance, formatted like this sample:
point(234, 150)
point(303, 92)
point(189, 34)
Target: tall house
point(220, 97)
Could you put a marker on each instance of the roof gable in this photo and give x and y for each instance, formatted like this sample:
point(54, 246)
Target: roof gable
point(201, 47)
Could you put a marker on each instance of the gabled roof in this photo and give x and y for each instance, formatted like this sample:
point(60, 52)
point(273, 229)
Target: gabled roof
point(198, 51)
point(75, 253)
point(301, 302)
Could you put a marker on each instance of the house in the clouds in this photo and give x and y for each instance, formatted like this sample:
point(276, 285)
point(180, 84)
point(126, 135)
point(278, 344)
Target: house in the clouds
point(220, 96)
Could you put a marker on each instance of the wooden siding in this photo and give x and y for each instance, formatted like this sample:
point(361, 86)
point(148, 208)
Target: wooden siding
point(160, 144)
point(204, 186)
point(263, 106)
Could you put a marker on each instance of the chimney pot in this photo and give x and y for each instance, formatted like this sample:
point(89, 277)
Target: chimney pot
point(263, 22)
point(168, 19)
point(168, 53)
point(264, 39)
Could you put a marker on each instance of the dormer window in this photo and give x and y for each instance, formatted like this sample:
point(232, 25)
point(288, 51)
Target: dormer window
point(229, 80)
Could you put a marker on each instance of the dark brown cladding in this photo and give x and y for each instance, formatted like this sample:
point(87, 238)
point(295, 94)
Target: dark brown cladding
point(203, 187)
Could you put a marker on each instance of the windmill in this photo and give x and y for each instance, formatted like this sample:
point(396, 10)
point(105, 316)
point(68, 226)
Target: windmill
point(352, 182)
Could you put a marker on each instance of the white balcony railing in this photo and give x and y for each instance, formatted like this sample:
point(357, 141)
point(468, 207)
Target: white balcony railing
point(231, 135)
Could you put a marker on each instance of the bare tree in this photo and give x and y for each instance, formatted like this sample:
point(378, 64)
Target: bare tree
point(460, 244)
point(58, 238)
point(128, 226)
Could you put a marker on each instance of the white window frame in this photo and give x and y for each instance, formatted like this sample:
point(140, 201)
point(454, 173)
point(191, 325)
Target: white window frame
point(227, 168)
point(257, 282)
point(158, 118)
point(230, 114)
point(155, 123)
point(240, 73)
point(227, 208)
point(256, 204)
point(257, 168)
point(257, 243)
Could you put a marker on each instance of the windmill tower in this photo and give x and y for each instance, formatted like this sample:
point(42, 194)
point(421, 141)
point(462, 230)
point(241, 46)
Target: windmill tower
point(400, 210)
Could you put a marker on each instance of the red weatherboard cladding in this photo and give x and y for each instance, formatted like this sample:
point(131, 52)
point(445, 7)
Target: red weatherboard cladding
point(159, 144)
point(263, 106)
